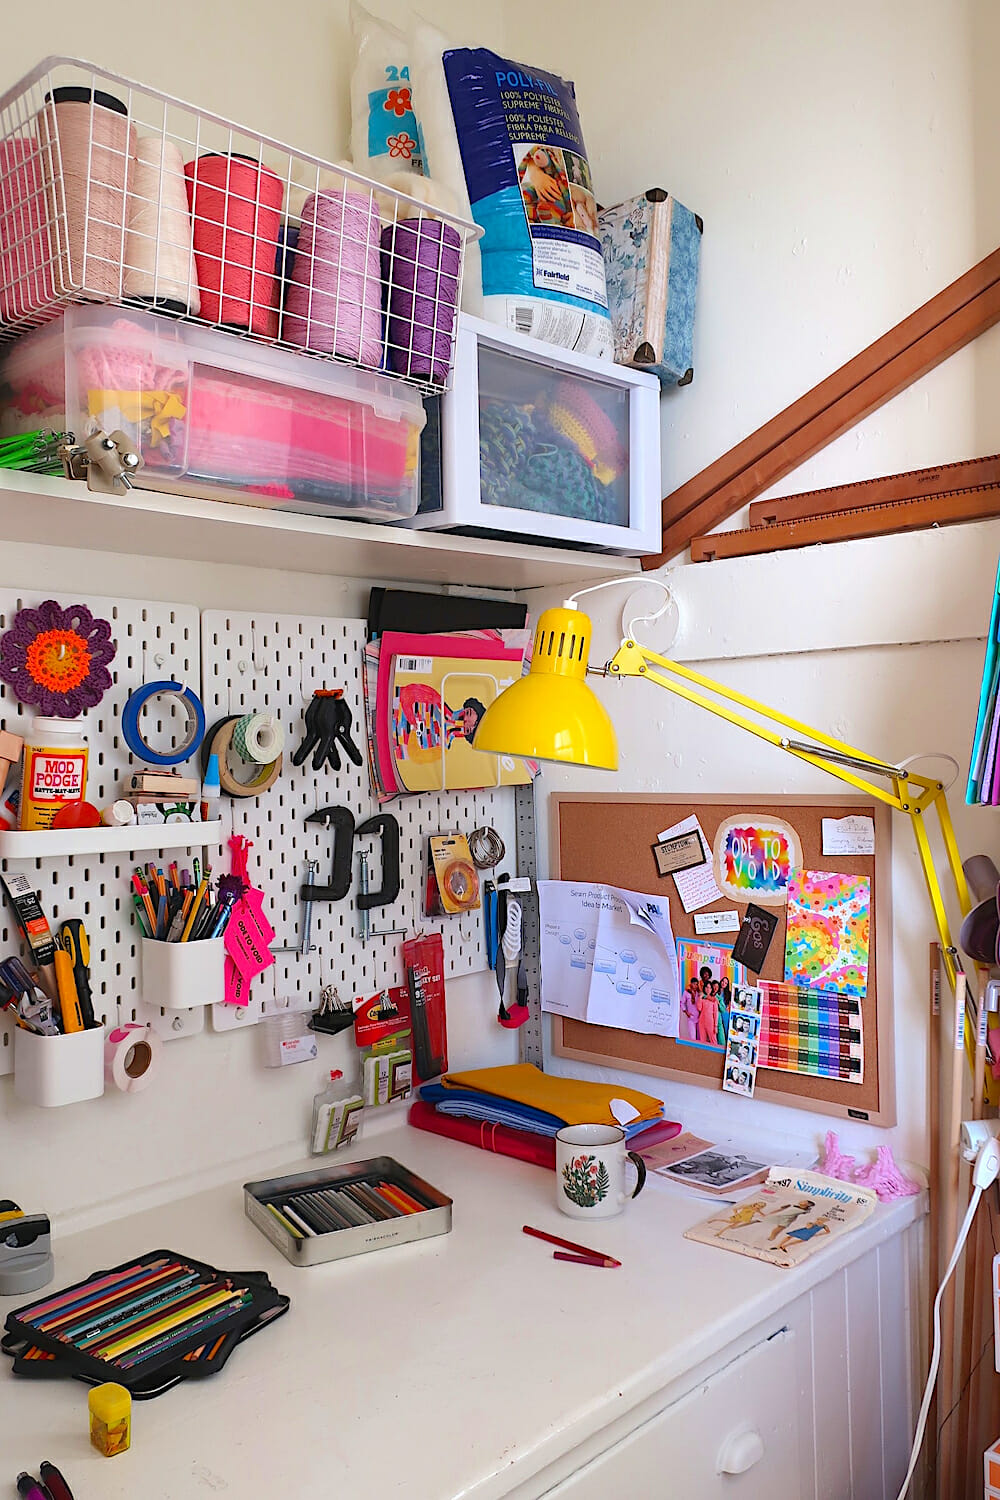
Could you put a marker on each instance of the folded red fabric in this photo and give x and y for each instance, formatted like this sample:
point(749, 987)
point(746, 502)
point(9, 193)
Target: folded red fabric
point(522, 1144)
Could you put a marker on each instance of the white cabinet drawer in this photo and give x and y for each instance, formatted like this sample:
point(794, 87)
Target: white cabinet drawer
point(735, 1435)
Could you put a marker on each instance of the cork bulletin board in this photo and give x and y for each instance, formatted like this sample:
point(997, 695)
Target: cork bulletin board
point(609, 837)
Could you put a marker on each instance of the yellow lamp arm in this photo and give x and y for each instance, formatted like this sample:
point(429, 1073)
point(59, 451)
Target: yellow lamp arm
point(910, 793)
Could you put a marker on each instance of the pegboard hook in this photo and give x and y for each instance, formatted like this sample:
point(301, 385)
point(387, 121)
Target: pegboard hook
point(244, 665)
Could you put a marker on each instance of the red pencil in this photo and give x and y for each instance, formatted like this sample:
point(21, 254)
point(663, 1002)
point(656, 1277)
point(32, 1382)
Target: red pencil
point(553, 1239)
point(585, 1260)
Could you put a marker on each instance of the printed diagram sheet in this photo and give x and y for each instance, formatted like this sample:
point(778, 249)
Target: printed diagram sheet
point(608, 957)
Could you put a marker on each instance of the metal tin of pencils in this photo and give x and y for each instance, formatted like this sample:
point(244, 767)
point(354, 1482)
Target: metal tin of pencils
point(267, 1204)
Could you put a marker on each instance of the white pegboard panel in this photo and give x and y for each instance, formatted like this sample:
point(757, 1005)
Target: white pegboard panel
point(155, 641)
point(257, 663)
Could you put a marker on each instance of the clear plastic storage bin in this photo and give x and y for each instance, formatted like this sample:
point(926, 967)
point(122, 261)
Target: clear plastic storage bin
point(216, 415)
point(537, 442)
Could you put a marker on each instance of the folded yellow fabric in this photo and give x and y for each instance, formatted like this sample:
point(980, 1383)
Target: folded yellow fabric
point(575, 1100)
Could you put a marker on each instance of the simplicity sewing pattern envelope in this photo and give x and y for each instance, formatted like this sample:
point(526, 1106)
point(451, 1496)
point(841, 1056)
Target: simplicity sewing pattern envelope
point(827, 932)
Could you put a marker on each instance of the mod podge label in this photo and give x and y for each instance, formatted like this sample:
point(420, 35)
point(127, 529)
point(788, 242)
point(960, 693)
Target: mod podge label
point(754, 858)
point(51, 778)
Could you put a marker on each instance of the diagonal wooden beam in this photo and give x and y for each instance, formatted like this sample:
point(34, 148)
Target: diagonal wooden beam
point(949, 321)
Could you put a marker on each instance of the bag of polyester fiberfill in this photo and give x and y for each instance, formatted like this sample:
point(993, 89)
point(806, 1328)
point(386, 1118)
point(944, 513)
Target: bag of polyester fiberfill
point(530, 188)
point(385, 132)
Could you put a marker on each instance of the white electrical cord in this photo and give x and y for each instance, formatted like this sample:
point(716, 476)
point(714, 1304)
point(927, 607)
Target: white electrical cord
point(984, 1173)
point(934, 755)
point(628, 625)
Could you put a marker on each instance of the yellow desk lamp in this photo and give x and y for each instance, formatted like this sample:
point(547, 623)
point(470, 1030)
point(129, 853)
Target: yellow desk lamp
point(552, 714)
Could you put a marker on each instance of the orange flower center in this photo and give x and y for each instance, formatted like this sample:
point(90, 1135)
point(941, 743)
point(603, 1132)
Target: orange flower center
point(58, 660)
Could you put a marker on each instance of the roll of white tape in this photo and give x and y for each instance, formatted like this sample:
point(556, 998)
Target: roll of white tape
point(259, 738)
point(131, 1057)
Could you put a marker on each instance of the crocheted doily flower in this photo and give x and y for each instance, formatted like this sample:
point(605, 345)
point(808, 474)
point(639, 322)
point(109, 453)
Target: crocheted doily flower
point(57, 659)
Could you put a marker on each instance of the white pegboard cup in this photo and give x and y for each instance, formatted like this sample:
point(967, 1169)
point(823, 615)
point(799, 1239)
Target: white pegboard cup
point(181, 976)
point(54, 1070)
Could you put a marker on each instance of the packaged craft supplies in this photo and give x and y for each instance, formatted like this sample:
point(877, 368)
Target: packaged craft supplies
point(508, 136)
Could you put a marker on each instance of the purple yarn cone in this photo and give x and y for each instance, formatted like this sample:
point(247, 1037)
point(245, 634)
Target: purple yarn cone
point(334, 302)
point(421, 260)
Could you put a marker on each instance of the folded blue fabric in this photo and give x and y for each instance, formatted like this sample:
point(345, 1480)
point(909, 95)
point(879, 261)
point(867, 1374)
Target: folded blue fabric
point(470, 1105)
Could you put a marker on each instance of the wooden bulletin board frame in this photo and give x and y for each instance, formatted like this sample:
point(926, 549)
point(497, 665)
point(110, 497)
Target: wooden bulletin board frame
point(607, 837)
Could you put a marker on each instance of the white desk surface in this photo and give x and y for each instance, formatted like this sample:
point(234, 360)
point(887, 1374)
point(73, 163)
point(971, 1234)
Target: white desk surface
point(459, 1366)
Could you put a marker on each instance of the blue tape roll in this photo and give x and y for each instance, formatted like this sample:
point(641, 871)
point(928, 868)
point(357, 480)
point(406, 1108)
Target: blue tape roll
point(194, 733)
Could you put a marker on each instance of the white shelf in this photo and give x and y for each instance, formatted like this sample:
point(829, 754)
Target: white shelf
point(49, 843)
point(148, 523)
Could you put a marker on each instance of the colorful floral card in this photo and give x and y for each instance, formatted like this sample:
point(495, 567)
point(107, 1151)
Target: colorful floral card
point(827, 932)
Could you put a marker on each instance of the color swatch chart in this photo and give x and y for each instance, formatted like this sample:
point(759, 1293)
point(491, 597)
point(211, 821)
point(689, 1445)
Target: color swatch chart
point(806, 1030)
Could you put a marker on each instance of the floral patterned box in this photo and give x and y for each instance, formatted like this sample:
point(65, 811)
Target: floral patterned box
point(651, 247)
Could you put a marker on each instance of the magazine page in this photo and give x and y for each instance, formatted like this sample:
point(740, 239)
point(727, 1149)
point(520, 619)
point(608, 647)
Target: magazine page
point(791, 1216)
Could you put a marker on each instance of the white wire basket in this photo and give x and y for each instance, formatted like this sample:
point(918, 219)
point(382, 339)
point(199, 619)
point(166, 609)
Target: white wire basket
point(112, 192)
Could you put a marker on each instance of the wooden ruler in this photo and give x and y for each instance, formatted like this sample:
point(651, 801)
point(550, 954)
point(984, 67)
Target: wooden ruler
point(976, 504)
point(949, 321)
point(942, 480)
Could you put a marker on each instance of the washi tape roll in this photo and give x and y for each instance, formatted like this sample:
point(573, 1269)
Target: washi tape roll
point(237, 777)
point(461, 884)
point(259, 738)
point(132, 1056)
point(194, 728)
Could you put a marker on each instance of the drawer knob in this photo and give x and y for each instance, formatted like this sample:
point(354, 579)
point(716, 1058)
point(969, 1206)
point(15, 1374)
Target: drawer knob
point(740, 1451)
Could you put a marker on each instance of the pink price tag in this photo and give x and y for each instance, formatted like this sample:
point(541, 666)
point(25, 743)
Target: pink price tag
point(237, 990)
point(249, 935)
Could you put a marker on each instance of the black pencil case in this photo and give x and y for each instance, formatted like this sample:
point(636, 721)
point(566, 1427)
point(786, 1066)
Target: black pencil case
point(161, 1367)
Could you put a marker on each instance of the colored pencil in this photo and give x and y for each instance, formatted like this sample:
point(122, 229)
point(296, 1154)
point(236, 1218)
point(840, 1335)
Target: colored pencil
point(585, 1260)
point(376, 1205)
point(107, 1287)
point(285, 1223)
point(134, 1340)
point(297, 1220)
point(176, 1335)
point(555, 1239)
point(310, 1213)
point(398, 1198)
point(176, 1301)
point(195, 908)
point(329, 1202)
point(91, 1320)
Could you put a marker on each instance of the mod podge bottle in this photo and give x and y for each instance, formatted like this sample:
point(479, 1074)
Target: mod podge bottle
point(53, 769)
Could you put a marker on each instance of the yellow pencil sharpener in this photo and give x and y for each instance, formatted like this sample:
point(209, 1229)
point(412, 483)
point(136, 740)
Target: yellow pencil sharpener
point(110, 1419)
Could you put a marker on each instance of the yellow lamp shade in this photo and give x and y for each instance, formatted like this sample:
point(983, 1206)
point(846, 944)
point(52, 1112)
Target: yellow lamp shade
point(552, 714)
